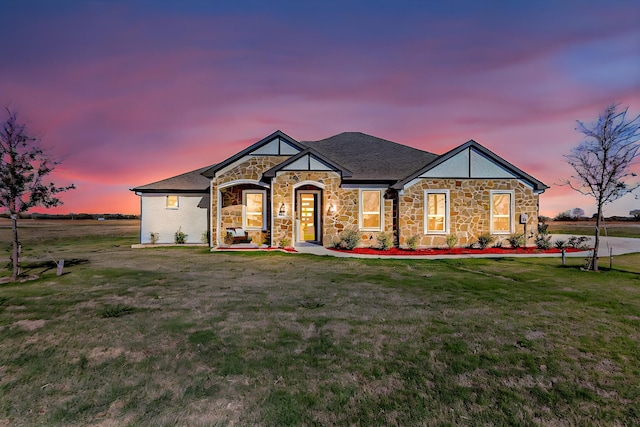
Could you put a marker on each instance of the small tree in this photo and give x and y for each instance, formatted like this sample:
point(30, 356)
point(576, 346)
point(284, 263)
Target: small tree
point(23, 168)
point(602, 161)
point(577, 213)
point(635, 214)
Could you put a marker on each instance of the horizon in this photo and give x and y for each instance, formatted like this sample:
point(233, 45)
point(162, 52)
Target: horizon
point(129, 93)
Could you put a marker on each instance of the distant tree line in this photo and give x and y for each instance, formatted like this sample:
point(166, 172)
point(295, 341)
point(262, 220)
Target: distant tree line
point(577, 214)
point(70, 216)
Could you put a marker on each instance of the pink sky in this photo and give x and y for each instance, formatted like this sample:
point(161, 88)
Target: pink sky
point(127, 93)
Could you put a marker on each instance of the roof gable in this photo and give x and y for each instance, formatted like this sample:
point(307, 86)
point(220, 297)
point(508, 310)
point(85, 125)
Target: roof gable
point(468, 163)
point(472, 160)
point(276, 144)
point(308, 160)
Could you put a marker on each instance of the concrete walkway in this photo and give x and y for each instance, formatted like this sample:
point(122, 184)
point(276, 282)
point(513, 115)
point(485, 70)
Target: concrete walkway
point(620, 245)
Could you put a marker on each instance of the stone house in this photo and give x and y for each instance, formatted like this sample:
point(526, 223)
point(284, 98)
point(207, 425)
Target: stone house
point(280, 190)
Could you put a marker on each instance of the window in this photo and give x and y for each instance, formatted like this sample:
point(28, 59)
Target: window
point(254, 202)
point(501, 212)
point(436, 212)
point(371, 210)
point(173, 202)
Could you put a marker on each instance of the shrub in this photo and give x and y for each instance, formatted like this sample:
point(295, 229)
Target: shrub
point(228, 238)
point(577, 242)
point(384, 241)
point(348, 239)
point(543, 241)
point(498, 244)
point(180, 238)
point(516, 240)
point(204, 237)
point(542, 225)
point(484, 240)
point(153, 237)
point(452, 239)
point(412, 242)
point(284, 242)
point(559, 244)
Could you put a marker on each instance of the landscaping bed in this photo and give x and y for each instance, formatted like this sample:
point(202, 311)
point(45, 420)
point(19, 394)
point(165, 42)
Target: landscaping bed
point(455, 251)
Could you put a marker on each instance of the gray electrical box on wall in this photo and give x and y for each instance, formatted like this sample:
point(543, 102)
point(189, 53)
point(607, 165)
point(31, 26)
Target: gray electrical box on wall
point(524, 218)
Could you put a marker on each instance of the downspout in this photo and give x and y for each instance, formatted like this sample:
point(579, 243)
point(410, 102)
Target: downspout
point(217, 216)
point(140, 232)
point(396, 219)
point(210, 219)
point(269, 215)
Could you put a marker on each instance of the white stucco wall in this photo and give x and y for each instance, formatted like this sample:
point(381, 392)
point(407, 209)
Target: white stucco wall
point(156, 218)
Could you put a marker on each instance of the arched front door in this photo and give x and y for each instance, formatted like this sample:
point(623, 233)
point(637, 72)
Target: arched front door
point(309, 214)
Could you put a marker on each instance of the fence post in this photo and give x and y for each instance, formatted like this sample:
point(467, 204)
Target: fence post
point(610, 258)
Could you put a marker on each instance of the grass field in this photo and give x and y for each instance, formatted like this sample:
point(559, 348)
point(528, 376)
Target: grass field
point(611, 229)
point(182, 336)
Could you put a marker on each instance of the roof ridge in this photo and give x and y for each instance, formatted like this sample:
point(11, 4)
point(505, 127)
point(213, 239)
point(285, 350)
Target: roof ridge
point(311, 143)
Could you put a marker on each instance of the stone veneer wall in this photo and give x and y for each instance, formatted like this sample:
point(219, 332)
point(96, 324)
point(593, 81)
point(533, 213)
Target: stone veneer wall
point(283, 192)
point(469, 205)
point(469, 209)
point(251, 169)
point(345, 201)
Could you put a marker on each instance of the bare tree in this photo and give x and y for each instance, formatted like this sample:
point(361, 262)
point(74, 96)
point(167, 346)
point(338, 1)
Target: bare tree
point(577, 213)
point(23, 169)
point(602, 162)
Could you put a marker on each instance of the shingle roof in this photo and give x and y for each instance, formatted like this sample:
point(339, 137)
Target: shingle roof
point(371, 158)
point(189, 182)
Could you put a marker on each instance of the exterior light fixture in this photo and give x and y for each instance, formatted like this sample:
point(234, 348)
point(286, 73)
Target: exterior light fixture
point(282, 211)
point(331, 210)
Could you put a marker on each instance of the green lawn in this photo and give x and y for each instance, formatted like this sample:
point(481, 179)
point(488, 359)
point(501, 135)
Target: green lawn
point(181, 336)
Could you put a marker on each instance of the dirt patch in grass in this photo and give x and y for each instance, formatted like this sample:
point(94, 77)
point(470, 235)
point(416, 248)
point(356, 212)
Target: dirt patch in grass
point(29, 325)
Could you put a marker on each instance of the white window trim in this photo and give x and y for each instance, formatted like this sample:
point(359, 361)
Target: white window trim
point(166, 202)
point(446, 212)
point(360, 212)
point(512, 209)
point(244, 208)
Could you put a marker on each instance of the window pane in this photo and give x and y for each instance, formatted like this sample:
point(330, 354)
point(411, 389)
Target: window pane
point(371, 220)
point(254, 218)
point(501, 204)
point(436, 211)
point(436, 223)
point(172, 202)
point(501, 224)
point(254, 202)
point(371, 201)
point(371, 209)
point(436, 204)
point(501, 213)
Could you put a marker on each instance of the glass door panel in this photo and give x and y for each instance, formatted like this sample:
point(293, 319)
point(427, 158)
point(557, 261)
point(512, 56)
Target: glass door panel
point(308, 216)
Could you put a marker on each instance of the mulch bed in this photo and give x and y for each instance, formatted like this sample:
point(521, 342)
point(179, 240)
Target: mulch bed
point(456, 251)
